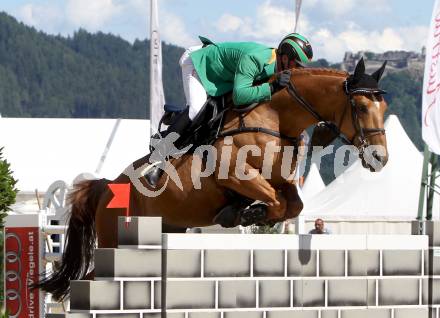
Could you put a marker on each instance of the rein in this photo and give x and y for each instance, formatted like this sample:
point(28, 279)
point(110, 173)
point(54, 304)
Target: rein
point(291, 89)
point(362, 133)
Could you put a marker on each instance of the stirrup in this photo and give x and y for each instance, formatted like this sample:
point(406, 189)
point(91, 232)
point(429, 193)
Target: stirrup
point(152, 174)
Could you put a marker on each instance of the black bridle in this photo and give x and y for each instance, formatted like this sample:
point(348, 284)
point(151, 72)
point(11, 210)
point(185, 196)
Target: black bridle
point(362, 133)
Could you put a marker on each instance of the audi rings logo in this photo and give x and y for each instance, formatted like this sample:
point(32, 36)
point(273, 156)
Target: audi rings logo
point(13, 274)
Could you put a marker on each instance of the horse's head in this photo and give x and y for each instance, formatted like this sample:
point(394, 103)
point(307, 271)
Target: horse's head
point(357, 112)
point(367, 116)
point(348, 106)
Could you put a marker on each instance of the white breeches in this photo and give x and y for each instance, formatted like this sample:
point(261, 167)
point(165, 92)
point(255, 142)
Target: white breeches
point(195, 93)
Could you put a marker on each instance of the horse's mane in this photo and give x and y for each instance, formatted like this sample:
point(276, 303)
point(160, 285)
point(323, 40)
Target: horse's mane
point(319, 71)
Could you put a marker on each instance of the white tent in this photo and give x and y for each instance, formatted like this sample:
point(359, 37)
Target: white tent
point(313, 183)
point(43, 150)
point(391, 194)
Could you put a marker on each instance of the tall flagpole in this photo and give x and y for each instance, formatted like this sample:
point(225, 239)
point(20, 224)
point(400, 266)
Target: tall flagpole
point(300, 224)
point(157, 98)
point(297, 11)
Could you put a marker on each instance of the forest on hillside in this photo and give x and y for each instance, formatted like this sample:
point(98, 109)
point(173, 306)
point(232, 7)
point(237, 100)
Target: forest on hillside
point(86, 75)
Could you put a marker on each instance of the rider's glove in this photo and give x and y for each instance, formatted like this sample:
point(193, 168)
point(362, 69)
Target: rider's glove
point(282, 80)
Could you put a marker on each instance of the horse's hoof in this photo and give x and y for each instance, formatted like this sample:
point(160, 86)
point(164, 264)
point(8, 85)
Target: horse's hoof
point(227, 217)
point(254, 214)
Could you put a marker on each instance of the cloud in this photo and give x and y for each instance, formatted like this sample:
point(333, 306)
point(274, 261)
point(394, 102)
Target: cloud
point(341, 7)
point(27, 13)
point(41, 16)
point(140, 6)
point(332, 46)
point(273, 21)
point(338, 8)
point(91, 14)
point(389, 39)
point(309, 3)
point(326, 45)
point(126, 18)
point(228, 22)
point(415, 37)
point(333, 27)
point(270, 24)
point(173, 30)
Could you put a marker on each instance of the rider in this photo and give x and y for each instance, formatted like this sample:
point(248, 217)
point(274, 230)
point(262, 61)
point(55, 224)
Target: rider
point(215, 69)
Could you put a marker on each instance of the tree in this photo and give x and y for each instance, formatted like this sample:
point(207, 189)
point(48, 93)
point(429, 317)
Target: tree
point(8, 191)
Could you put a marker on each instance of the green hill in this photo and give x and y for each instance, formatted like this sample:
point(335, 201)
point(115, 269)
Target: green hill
point(87, 75)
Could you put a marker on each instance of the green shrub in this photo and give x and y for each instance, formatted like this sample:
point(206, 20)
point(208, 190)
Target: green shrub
point(8, 191)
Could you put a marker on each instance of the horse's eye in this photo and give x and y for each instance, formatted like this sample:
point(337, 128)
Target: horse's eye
point(363, 109)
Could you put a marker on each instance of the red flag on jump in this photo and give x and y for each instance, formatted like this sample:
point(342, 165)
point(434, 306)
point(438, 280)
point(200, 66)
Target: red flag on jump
point(121, 197)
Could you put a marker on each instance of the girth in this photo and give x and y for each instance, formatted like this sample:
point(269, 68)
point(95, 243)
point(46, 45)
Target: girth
point(242, 128)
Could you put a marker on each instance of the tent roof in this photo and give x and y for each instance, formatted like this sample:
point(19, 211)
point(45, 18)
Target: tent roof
point(391, 193)
point(43, 150)
point(313, 183)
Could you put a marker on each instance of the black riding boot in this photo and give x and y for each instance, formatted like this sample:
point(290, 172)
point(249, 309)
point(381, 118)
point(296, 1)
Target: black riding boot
point(180, 125)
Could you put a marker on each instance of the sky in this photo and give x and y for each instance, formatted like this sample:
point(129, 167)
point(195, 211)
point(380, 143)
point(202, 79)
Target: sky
point(332, 26)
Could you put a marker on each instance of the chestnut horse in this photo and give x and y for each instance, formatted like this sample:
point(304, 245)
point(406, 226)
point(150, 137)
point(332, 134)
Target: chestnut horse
point(353, 103)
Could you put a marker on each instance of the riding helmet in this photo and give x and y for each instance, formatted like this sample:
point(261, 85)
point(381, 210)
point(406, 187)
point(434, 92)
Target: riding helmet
point(296, 47)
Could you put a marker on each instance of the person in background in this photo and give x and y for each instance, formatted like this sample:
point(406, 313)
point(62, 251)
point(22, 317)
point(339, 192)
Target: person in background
point(319, 228)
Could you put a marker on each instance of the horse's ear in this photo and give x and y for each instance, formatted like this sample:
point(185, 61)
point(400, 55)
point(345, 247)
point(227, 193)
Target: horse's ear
point(378, 74)
point(360, 68)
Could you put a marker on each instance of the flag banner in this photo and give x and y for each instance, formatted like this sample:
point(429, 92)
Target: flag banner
point(22, 268)
point(431, 85)
point(121, 197)
point(157, 98)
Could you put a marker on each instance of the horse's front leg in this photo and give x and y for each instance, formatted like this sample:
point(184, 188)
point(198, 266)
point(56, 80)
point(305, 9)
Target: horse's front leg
point(255, 187)
point(294, 202)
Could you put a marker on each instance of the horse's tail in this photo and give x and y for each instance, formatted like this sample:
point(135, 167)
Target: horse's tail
point(80, 238)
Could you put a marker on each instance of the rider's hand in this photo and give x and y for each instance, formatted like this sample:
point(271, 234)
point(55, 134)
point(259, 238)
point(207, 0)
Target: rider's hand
point(282, 80)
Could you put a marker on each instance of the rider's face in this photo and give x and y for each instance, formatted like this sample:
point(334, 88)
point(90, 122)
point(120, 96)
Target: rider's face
point(284, 63)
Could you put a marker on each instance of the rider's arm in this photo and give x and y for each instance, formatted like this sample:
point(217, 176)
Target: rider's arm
point(243, 91)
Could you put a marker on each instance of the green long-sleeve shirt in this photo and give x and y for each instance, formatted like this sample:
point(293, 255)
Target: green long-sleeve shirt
point(234, 66)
